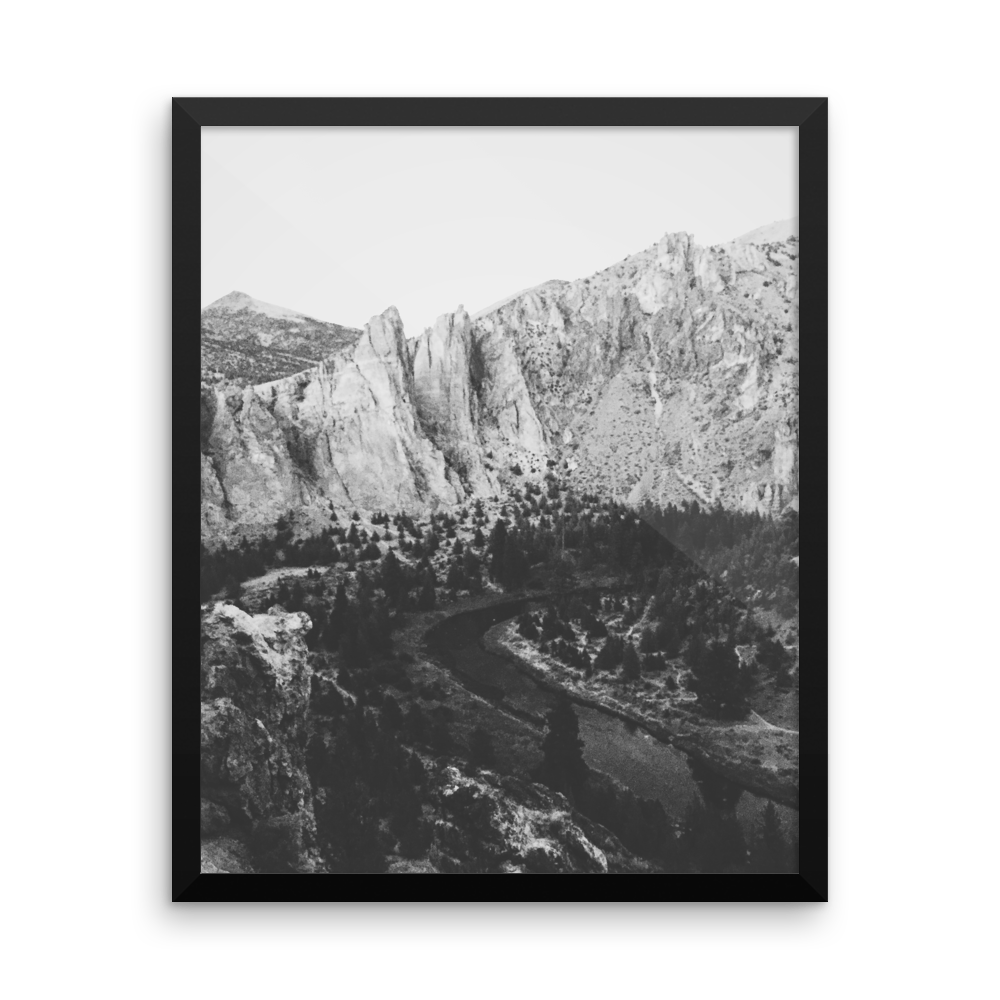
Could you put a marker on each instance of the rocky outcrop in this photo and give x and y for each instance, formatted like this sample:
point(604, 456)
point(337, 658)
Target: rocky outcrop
point(254, 784)
point(492, 823)
point(340, 435)
point(473, 402)
point(671, 376)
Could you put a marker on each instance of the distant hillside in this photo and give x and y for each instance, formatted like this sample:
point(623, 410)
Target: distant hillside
point(775, 232)
point(250, 342)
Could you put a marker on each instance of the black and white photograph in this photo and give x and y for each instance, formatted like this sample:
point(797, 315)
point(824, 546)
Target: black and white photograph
point(499, 500)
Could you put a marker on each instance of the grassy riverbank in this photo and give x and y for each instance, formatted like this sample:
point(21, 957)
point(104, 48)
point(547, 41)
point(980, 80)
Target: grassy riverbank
point(762, 759)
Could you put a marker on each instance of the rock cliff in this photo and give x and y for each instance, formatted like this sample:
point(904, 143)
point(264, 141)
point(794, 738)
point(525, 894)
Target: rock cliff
point(254, 783)
point(343, 434)
point(672, 375)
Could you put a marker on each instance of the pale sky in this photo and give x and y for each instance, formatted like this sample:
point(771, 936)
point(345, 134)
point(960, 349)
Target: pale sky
point(341, 223)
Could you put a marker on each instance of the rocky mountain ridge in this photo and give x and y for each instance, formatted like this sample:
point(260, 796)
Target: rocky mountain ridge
point(245, 341)
point(672, 375)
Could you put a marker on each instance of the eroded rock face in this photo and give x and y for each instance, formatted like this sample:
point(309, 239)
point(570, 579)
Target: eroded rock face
point(671, 376)
point(474, 404)
point(346, 435)
point(254, 690)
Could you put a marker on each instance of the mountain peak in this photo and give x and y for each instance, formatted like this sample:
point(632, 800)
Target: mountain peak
point(235, 301)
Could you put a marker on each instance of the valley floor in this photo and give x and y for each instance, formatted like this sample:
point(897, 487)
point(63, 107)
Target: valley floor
point(754, 754)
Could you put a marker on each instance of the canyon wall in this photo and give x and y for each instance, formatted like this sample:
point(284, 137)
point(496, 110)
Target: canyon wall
point(670, 376)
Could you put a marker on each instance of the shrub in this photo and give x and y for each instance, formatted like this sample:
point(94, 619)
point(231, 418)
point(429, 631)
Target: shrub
point(721, 685)
point(771, 654)
point(526, 627)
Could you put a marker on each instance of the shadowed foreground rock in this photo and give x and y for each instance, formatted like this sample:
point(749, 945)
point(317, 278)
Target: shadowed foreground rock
point(497, 824)
point(254, 785)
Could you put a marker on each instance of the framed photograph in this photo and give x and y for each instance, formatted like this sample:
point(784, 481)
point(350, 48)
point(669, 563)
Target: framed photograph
point(486, 495)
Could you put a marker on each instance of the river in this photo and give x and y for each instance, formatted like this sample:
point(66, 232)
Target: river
point(651, 768)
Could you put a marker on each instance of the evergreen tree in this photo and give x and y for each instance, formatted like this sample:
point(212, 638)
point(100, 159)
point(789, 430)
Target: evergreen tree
point(610, 654)
point(498, 545)
point(470, 563)
point(456, 578)
point(340, 617)
point(563, 767)
point(515, 566)
point(721, 684)
point(427, 599)
point(631, 668)
point(391, 576)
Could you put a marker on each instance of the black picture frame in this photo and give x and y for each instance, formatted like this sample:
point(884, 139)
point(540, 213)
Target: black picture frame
point(189, 115)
